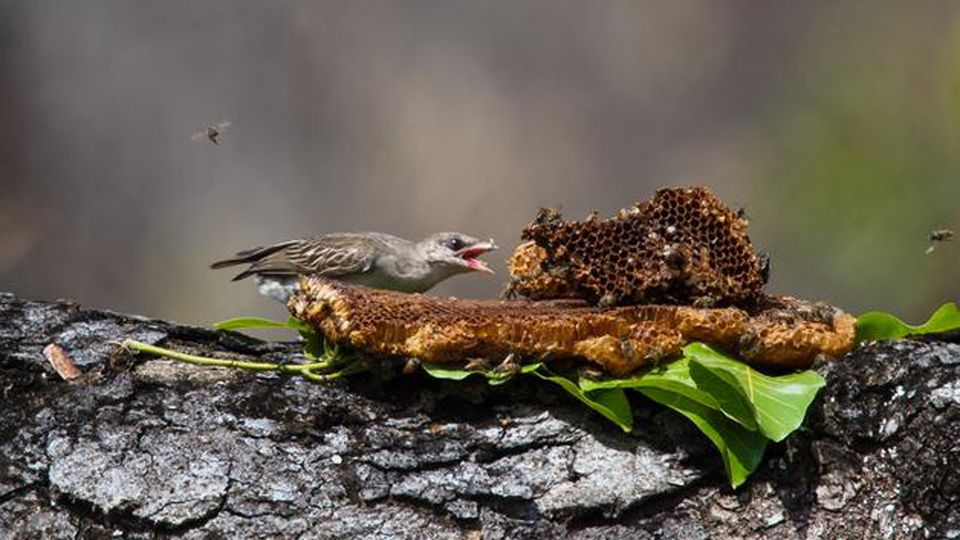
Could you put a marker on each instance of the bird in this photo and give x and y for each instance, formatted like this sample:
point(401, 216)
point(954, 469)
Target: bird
point(371, 259)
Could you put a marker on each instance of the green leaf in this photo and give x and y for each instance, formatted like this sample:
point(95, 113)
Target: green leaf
point(778, 403)
point(454, 372)
point(530, 368)
point(496, 379)
point(447, 371)
point(249, 322)
point(611, 402)
point(740, 449)
point(730, 401)
point(876, 325)
point(316, 347)
point(300, 326)
point(676, 377)
point(675, 372)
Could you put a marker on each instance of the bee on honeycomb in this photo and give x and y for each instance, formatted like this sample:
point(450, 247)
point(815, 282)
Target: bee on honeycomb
point(683, 246)
point(530, 280)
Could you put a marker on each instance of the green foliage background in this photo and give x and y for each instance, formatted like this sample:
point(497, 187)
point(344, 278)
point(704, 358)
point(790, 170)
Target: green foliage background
point(863, 161)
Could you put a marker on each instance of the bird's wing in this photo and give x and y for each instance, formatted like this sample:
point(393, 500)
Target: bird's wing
point(328, 255)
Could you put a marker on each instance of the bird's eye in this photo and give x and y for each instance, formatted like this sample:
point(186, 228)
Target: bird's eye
point(455, 244)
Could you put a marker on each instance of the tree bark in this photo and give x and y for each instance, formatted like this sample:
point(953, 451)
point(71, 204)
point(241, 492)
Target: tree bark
point(144, 447)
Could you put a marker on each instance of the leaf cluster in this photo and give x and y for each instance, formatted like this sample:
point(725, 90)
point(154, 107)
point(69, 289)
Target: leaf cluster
point(738, 408)
point(877, 325)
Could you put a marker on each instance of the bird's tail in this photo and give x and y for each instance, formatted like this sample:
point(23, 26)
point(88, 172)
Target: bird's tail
point(249, 256)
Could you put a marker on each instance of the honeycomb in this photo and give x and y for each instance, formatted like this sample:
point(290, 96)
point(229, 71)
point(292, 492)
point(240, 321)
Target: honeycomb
point(784, 332)
point(529, 279)
point(683, 246)
point(790, 333)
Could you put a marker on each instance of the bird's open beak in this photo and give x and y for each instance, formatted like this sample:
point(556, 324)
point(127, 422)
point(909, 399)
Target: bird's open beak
point(469, 256)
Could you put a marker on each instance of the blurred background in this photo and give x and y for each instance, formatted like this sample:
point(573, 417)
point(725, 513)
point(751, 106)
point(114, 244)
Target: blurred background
point(836, 124)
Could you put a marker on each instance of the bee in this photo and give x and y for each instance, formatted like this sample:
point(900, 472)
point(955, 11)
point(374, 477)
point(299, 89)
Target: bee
point(411, 365)
point(510, 365)
point(939, 235)
point(477, 364)
point(607, 300)
point(547, 215)
point(765, 267)
point(592, 373)
point(673, 257)
point(510, 291)
point(212, 132)
point(626, 348)
point(705, 301)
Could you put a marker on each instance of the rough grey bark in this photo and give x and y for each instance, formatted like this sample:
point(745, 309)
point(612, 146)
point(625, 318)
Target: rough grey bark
point(143, 447)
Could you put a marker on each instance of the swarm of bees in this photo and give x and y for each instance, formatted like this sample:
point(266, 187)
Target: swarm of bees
point(212, 132)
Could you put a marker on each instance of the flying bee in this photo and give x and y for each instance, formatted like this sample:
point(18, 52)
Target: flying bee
point(212, 132)
point(939, 235)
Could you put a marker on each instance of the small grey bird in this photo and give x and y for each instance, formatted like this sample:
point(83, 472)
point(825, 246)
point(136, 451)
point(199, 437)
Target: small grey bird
point(372, 259)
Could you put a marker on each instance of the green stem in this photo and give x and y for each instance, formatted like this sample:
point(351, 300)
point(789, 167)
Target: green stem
point(299, 369)
point(349, 369)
